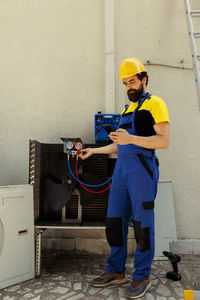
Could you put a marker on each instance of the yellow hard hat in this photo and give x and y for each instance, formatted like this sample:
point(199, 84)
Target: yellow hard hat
point(130, 66)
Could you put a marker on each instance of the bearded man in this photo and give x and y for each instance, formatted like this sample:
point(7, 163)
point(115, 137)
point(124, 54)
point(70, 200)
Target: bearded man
point(144, 127)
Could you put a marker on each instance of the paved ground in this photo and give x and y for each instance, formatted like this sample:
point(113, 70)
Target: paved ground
point(68, 277)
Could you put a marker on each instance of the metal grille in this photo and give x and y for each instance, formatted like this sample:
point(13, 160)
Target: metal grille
point(46, 170)
point(34, 174)
point(71, 211)
point(94, 206)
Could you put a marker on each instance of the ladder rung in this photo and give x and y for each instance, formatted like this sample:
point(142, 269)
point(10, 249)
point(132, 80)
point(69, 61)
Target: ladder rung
point(195, 13)
point(197, 34)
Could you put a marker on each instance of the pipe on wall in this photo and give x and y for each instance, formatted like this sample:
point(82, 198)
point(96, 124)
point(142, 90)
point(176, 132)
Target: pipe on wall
point(109, 57)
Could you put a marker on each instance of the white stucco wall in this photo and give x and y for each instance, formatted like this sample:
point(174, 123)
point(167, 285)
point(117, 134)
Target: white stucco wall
point(51, 75)
point(52, 83)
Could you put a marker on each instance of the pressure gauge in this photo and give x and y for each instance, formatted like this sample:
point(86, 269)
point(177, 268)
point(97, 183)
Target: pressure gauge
point(69, 145)
point(78, 146)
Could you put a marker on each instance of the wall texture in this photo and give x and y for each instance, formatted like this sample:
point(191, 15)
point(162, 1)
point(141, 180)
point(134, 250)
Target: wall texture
point(52, 65)
point(51, 75)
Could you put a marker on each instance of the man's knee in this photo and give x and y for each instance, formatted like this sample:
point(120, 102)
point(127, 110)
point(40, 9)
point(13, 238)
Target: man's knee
point(142, 236)
point(114, 232)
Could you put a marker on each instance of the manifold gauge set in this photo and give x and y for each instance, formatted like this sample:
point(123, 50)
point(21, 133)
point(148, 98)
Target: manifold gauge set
point(72, 146)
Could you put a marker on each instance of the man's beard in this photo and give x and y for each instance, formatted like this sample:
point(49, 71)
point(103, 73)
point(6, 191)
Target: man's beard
point(136, 94)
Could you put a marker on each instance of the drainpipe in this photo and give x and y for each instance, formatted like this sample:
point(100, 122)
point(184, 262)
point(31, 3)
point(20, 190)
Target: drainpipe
point(109, 57)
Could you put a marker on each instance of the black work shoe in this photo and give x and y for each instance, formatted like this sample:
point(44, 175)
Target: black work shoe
point(138, 288)
point(109, 278)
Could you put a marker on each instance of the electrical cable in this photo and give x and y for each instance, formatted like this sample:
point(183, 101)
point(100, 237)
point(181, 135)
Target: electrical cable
point(149, 63)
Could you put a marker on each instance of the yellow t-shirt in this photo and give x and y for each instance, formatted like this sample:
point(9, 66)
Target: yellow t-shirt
point(151, 112)
point(155, 105)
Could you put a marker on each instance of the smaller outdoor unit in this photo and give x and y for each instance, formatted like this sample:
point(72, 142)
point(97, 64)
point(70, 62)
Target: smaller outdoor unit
point(17, 259)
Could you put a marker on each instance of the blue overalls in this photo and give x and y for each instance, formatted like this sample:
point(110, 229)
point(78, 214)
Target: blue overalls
point(132, 194)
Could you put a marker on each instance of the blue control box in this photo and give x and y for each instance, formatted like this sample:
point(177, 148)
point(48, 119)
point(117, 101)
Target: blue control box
point(101, 135)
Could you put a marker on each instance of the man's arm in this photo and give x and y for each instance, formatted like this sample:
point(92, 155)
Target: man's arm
point(158, 141)
point(111, 148)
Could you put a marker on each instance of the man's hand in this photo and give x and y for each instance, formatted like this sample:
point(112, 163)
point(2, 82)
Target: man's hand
point(85, 153)
point(121, 136)
point(158, 141)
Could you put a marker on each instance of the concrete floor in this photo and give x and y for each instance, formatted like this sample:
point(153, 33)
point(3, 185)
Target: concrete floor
point(65, 276)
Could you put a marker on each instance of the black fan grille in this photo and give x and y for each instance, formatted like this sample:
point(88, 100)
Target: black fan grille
point(95, 205)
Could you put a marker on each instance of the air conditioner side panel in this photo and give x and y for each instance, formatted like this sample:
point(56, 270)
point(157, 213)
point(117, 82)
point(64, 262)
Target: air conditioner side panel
point(17, 261)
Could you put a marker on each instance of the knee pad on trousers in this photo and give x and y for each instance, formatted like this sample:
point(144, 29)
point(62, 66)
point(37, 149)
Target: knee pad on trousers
point(142, 236)
point(114, 232)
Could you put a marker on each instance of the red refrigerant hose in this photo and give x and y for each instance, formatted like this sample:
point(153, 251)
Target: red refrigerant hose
point(84, 186)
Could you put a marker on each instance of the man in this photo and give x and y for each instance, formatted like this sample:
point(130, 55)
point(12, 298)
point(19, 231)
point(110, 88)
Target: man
point(144, 127)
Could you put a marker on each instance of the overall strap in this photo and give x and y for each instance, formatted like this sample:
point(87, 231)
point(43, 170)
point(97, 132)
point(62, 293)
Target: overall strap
point(125, 107)
point(143, 97)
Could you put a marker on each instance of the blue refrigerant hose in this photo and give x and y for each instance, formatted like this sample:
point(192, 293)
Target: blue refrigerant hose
point(89, 185)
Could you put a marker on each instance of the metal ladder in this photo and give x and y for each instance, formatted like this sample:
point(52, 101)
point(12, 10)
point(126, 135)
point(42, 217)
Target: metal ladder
point(194, 35)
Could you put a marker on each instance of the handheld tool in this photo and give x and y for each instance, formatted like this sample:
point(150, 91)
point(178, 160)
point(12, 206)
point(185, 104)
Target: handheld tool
point(174, 259)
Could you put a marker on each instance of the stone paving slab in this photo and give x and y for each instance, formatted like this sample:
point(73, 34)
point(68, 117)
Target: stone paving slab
point(66, 276)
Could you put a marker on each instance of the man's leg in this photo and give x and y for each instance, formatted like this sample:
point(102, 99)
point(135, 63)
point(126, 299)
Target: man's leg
point(142, 194)
point(118, 218)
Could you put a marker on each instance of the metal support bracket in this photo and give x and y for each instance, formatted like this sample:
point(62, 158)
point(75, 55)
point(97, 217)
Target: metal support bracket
point(38, 237)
